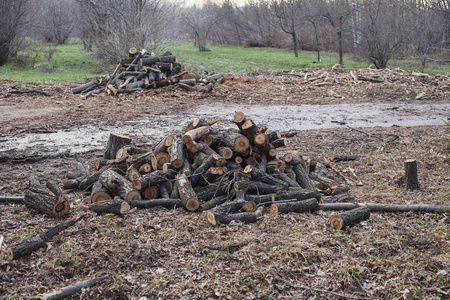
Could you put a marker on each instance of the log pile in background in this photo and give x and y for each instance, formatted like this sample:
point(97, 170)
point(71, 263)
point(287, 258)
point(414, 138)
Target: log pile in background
point(143, 70)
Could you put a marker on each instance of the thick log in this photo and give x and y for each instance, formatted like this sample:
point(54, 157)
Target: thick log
point(151, 192)
point(241, 144)
point(163, 145)
point(79, 171)
point(195, 135)
point(239, 119)
point(161, 159)
point(118, 207)
point(115, 142)
point(349, 218)
point(83, 87)
point(308, 205)
point(118, 185)
point(214, 202)
point(89, 180)
point(279, 143)
point(262, 176)
point(153, 178)
point(245, 217)
point(163, 202)
point(225, 152)
point(284, 195)
point(187, 194)
point(291, 182)
point(99, 193)
point(257, 186)
point(249, 129)
point(45, 201)
point(411, 179)
point(340, 198)
point(176, 151)
point(32, 243)
point(302, 177)
point(72, 289)
point(190, 82)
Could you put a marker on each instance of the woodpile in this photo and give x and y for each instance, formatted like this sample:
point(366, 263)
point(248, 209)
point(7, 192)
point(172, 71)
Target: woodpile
point(143, 70)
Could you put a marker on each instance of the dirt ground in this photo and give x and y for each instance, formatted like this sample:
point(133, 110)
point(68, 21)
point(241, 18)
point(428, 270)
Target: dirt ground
point(175, 254)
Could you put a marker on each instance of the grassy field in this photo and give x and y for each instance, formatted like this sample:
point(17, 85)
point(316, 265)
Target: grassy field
point(45, 62)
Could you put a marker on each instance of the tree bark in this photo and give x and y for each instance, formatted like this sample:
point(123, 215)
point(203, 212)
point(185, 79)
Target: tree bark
point(308, 205)
point(257, 186)
point(118, 207)
point(187, 194)
point(153, 178)
point(349, 218)
point(176, 153)
point(72, 289)
point(411, 179)
point(163, 202)
point(387, 207)
point(302, 177)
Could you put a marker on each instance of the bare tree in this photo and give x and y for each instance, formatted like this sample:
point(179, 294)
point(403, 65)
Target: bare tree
point(311, 13)
point(288, 14)
point(14, 18)
point(337, 12)
point(57, 20)
point(260, 21)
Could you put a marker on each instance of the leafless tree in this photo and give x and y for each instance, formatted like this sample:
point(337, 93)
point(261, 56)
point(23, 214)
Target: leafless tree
point(15, 16)
point(260, 21)
point(311, 13)
point(57, 20)
point(288, 14)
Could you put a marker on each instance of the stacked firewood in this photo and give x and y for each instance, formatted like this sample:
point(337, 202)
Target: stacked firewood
point(221, 172)
point(143, 70)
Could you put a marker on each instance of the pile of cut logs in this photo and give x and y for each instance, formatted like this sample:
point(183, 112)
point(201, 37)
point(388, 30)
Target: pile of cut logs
point(143, 70)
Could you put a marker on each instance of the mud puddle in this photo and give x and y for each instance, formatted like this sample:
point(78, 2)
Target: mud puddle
point(283, 118)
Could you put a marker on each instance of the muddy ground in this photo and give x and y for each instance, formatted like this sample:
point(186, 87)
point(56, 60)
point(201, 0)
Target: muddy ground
point(173, 254)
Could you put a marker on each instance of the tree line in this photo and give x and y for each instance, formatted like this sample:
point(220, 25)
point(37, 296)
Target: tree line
point(376, 30)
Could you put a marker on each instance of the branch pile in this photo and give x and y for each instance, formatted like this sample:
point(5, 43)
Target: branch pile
point(143, 70)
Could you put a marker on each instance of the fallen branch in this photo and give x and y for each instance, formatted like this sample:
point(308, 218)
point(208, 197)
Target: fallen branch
point(336, 294)
point(72, 289)
point(29, 92)
point(11, 199)
point(387, 207)
point(369, 135)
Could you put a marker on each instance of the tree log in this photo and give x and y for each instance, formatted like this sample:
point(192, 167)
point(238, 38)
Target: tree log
point(89, 180)
point(214, 202)
point(340, 198)
point(11, 199)
point(336, 158)
point(118, 207)
point(291, 182)
point(302, 177)
point(45, 201)
point(118, 185)
point(245, 217)
point(241, 144)
point(257, 186)
point(153, 178)
point(72, 289)
point(35, 242)
point(176, 151)
point(187, 194)
point(163, 145)
point(195, 135)
point(201, 170)
point(284, 195)
point(387, 207)
point(349, 218)
point(262, 176)
point(163, 202)
point(115, 142)
point(99, 193)
point(308, 205)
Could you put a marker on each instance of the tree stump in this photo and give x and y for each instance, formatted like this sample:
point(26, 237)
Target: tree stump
point(411, 179)
point(115, 142)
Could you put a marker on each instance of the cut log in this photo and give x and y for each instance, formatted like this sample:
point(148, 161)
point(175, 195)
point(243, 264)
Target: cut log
point(239, 119)
point(187, 194)
point(241, 144)
point(45, 201)
point(99, 193)
point(118, 207)
point(249, 129)
point(163, 202)
point(279, 143)
point(153, 178)
point(201, 170)
point(118, 164)
point(163, 145)
point(145, 168)
point(79, 89)
point(207, 88)
point(151, 192)
point(308, 205)
point(79, 171)
point(195, 135)
point(225, 152)
point(284, 195)
point(387, 207)
point(262, 176)
point(411, 180)
point(88, 181)
point(273, 136)
point(32, 243)
point(72, 289)
point(337, 189)
point(349, 218)
point(11, 199)
point(115, 142)
point(163, 192)
point(133, 174)
point(161, 159)
point(245, 217)
point(340, 198)
point(302, 177)
point(291, 182)
point(176, 151)
point(214, 202)
point(257, 186)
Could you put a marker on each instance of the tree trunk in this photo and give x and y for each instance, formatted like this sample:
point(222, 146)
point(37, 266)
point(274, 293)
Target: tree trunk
point(46, 201)
point(294, 41)
point(349, 218)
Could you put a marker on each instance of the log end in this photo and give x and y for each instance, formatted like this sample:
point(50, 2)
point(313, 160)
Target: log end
point(151, 192)
point(133, 195)
point(336, 222)
point(211, 218)
point(124, 208)
point(100, 196)
point(192, 204)
point(177, 163)
point(137, 185)
point(239, 117)
point(9, 253)
point(249, 206)
point(62, 206)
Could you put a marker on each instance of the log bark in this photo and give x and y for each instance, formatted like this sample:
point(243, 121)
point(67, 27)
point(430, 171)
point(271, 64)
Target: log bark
point(340, 198)
point(284, 195)
point(349, 218)
point(163, 145)
point(245, 217)
point(176, 151)
point(115, 142)
point(72, 289)
point(195, 135)
point(79, 171)
point(411, 179)
point(214, 190)
point(387, 207)
point(11, 199)
point(32, 243)
point(262, 176)
point(291, 182)
point(257, 186)
point(153, 178)
point(308, 205)
point(201, 170)
point(187, 194)
point(118, 207)
point(117, 185)
point(89, 180)
point(119, 164)
point(302, 177)
point(282, 142)
point(214, 202)
point(163, 202)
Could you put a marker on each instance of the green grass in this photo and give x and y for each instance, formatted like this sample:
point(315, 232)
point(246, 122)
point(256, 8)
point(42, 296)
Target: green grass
point(45, 62)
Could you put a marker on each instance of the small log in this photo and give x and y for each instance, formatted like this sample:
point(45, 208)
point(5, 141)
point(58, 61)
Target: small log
point(411, 180)
point(118, 207)
point(186, 87)
point(89, 180)
point(186, 169)
point(239, 118)
point(257, 186)
point(163, 202)
point(339, 198)
point(302, 177)
point(34, 242)
point(187, 194)
point(72, 289)
point(349, 218)
point(190, 82)
point(117, 185)
point(140, 159)
point(249, 129)
point(45, 201)
point(262, 176)
point(163, 145)
point(115, 142)
point(214, 202)
point(99, 193)
point(225, 152)
point(282, 142)
point(336, 190)
point(81, 88)
point(388, 207)
point(176, 151)
point(291, 182)
point(207, 88)
point(145, 168)
point(195, 135)
point(336, 158)
point(241, 144)
point(161, 159)
point(79, 171)
point(118, 164)
point(11, 199)
point(163, 192)
point(273, 136)
point(201, 170)
point(308, 205)
point(153, 178)
point(284, 195)
point(133, 174)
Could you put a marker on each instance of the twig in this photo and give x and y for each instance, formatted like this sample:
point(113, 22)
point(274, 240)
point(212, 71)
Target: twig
point(370, 135)
point(348, 180)
point(338, 295)
point(72, 289)
point(29, 91)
